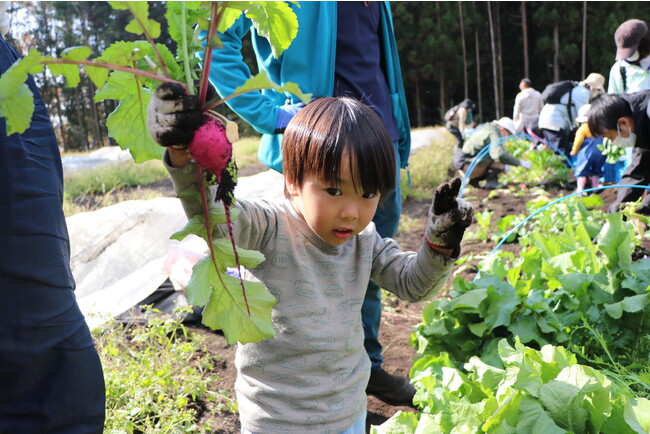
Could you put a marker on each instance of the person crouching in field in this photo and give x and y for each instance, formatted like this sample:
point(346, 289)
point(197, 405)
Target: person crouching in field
point(625, 120)
point(338, 160)
point(591, 161)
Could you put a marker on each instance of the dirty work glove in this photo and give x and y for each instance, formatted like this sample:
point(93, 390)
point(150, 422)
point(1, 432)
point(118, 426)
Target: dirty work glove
point(173, 115)
point(525, 164)
point(449, 216)
point(285, 114)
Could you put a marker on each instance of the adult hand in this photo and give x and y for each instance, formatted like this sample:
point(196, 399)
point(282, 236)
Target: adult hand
point(173, 115)
point(525, 164)
point(285, 114)
point(449, 216)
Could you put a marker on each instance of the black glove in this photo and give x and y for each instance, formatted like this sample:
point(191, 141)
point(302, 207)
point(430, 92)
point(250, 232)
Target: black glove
point(173, 115)
point(449, 216)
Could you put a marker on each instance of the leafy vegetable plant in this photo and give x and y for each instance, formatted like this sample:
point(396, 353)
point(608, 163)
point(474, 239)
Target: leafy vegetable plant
point(570, 288)
point(130, 72)
point(534, 391)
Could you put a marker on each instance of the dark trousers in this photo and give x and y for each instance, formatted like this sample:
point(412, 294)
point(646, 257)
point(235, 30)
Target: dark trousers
point(50, 374)
point(559, 139)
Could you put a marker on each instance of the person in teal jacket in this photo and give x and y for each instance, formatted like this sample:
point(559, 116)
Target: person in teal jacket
point(341, 49)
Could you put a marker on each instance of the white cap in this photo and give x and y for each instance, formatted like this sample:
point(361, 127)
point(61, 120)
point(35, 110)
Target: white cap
point(4, 18)
point(582, 113)
point(507, 123)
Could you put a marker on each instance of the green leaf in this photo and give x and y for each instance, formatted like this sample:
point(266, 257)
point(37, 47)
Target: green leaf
point(637, 415)
point(400, 423)
point(247, 258)
point(225, 307)
point(633, 303)
point(16, 99)
point(471, 299)
point(276, 21)
point(227, 311)
point(615, 241)
point(534, 420)
point(128, 123)
point(70, 72)
point(262, 81)
point(141, 22)
point(502, 306)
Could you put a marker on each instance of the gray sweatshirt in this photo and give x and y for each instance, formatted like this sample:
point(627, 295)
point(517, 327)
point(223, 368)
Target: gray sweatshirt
point(311, 377)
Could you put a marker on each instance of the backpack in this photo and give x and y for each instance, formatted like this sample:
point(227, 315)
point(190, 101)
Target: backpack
point(449, 115)
point(554, 91)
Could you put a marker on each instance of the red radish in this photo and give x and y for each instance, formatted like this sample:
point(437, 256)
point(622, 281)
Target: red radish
point(210, 147)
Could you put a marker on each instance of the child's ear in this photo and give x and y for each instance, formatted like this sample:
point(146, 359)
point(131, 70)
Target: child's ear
point(292, 188)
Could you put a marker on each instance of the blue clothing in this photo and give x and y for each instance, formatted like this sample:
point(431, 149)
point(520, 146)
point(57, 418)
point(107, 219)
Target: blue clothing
point(590, 160)
point(310, 62)
point(358, 73)
point(50, 375)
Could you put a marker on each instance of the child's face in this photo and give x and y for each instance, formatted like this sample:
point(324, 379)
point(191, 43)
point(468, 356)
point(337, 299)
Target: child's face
point(334, 213)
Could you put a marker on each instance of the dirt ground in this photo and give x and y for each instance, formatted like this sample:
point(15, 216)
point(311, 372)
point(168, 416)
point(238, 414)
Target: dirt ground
point(398, 317)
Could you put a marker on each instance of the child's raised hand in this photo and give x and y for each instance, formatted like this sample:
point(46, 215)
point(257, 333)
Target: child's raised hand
point(449, 216)
point(173, 115)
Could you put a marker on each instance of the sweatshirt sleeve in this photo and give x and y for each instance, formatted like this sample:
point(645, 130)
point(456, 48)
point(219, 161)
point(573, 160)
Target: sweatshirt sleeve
point(581, 135)
point(253, 223)
point(409, 275)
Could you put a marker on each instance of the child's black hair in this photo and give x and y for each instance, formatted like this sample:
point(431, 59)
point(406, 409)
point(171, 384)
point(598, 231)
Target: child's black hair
point(605, 112)
point(318, 136)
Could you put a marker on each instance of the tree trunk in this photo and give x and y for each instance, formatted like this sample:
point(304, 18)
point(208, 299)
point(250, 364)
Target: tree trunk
point(524, 30)
point(556, 52)
point(59, 112)
point(499, 57)
point(462, 40)
point(584, 39)
point(494, 62)
point(81, 119)
point(478, 69)
point(418, 101)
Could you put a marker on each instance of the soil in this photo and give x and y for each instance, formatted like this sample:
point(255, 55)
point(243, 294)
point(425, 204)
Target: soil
point(398, 318)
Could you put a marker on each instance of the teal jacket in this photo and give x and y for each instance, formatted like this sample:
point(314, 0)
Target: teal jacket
point(308, 62)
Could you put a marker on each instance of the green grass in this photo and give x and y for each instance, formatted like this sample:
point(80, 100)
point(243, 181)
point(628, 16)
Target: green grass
point(245, 151)
point(157, 376)
point(429, 167)
point(88, 189)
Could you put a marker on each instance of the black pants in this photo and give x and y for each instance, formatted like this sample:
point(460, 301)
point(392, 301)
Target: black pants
point(637, 173)
point(50, 374)
point(559, 139)
point(453, 129)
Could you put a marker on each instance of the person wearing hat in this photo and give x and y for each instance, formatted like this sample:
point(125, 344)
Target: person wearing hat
point(629, 73)
point(556, 121)
point(590, 159)
point(625, 120)
point(488, 167)
point(528, 104)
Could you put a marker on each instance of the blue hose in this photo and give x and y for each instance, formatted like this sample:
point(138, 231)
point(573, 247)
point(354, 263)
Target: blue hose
point(485, 150)
point(524, 221)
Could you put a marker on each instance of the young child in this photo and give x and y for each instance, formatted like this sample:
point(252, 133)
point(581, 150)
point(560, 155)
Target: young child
point(591, 161)
point(321, 249)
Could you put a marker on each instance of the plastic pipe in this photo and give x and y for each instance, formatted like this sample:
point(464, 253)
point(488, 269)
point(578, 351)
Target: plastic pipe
point(524, 221)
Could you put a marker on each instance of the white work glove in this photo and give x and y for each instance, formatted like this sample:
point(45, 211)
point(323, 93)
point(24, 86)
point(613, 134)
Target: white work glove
point(449, 216)
point(173, 115)
point(525, 164)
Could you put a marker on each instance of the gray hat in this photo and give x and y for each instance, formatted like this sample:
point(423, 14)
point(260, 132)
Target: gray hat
point(627, 37)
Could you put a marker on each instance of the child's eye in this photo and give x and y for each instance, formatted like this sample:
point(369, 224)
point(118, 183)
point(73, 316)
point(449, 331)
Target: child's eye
point(333, 191)
point(369, 195)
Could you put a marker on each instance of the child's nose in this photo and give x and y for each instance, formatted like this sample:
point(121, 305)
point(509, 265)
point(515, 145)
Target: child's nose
point(350, 210)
